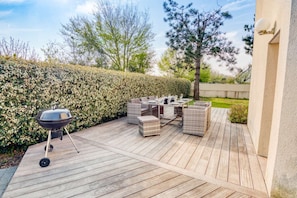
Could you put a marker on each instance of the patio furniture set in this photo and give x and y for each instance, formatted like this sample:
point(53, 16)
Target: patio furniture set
point(152, 113)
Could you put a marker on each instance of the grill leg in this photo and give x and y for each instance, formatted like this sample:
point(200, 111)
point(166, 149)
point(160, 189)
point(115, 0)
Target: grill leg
point(71, 140)
point(48, 142)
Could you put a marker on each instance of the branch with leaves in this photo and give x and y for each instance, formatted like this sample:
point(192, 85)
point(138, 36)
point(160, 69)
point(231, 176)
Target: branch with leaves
point(249, 38)
point(17, 49)
point(118, 35)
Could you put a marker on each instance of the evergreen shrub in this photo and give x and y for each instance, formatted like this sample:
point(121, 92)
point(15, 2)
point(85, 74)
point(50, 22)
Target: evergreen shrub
point(238, 113)
point(91, 94)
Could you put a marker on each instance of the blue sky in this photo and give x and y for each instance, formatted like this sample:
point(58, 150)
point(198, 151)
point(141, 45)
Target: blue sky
point(39, 21)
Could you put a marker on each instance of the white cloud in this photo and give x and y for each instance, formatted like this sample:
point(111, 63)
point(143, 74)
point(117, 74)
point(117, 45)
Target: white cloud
point(238, 5)
point(7, 29)
point(234, 36)
point(231, 35)
point(87, 7)
point(5, 13)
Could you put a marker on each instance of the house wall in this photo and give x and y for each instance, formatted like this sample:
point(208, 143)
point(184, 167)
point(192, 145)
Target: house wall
point(277, 106)
point(258, 78)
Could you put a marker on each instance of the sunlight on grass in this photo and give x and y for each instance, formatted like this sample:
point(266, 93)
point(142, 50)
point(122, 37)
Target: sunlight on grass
point(225, 102)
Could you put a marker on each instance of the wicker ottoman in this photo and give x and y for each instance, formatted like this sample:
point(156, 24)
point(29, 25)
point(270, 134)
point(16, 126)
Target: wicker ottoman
point(149, 125)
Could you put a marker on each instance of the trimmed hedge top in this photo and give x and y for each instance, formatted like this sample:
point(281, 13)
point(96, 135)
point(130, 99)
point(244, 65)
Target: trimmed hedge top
point(92, 95)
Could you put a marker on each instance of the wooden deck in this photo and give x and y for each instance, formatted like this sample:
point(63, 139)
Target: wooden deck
point(115, 161)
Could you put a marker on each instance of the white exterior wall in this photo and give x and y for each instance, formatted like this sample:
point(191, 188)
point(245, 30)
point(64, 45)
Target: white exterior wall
point(276, 56)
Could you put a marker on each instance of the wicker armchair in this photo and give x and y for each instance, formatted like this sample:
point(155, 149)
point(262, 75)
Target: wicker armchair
point(208, 105)
point(135, 109)
point(196, 120)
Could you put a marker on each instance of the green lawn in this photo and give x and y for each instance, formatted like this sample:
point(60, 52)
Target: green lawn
point(225, 102)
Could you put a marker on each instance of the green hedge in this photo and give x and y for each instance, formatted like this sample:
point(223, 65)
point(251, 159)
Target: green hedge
point(92, 95)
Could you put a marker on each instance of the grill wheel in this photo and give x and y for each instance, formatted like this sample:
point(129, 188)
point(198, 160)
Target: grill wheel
point(44, 162)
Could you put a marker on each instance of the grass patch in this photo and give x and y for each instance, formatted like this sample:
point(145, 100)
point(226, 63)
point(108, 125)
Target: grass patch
point(225, 102)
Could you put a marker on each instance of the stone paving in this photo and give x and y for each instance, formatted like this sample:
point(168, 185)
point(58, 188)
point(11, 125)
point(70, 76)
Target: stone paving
point(5, 177)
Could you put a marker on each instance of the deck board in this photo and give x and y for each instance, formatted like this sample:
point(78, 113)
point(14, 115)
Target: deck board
point(205, 189)
point(234, 176)
point(116, 161)
point(245, 171)
point(161, 187)
point(181, 189)
point(219, 193)
point(223, 166)
point(215, 155)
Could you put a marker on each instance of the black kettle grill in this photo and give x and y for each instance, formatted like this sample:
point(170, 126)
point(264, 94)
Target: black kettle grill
point(55, 120)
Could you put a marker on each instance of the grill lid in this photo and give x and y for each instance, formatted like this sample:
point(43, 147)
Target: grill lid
point(55, 115)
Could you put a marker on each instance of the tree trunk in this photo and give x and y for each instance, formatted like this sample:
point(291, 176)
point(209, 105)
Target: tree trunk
point(197, 79)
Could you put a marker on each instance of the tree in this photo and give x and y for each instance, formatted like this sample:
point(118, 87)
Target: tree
point(168, 59)
point(205, 73)
point(197, 34)
point(140, 62)
point(55, 52)
point(119, 33)
point(249, 38)
point(83, 43)
point(245, 75)
point(175, 65)
point(17, 49)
